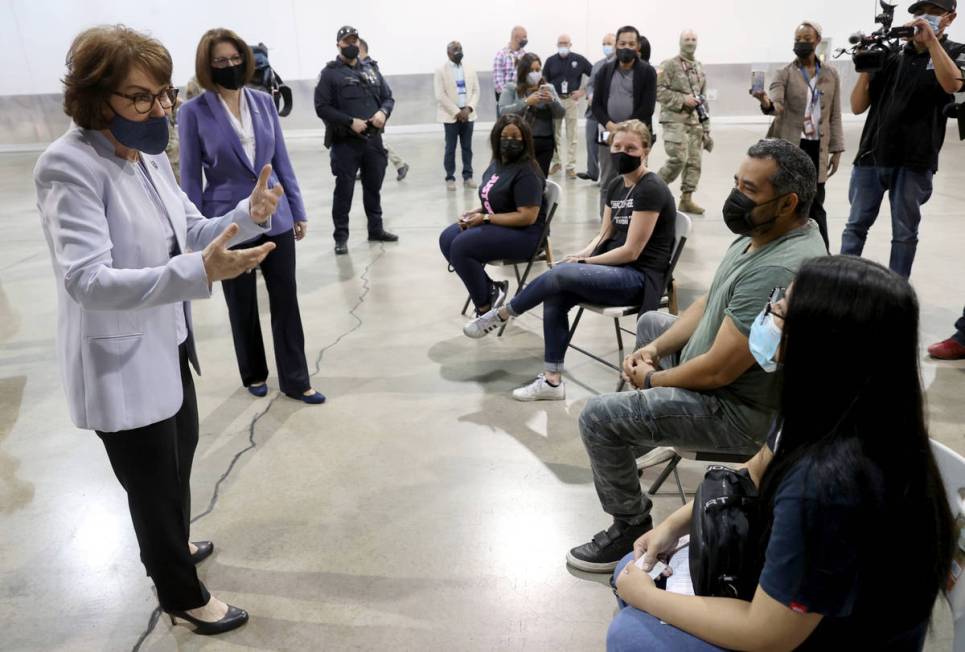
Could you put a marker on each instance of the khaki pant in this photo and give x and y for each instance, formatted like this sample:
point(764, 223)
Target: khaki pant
point(684, 145)
point(572, 114)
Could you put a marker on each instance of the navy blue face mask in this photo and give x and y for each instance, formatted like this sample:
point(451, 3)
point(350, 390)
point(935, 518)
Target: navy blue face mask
point(149, 136)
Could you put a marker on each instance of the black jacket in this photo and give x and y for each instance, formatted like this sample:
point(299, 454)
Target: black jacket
point(644, 92)
point(345, 92)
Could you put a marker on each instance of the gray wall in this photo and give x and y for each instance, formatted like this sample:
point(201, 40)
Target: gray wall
point(32, 121)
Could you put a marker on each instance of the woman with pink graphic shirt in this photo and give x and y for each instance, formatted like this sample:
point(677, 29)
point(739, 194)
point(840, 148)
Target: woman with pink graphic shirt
point(510, 220)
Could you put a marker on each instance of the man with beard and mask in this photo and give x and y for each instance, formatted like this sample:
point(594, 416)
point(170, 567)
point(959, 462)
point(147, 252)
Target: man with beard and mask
point(805, 101)
point(681, 87)
point(592, 126)
point(457, 95)
point(701, 386)
point(354, 101)
point(625, 88)
point(904, 132)
point(506, 60)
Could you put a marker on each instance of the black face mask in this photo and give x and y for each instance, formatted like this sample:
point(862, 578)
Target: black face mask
point(510, 149)
point(350, 52)
point(626, 55)
point(625, 162)
point(522, 44)
point(738, 209)
point(803, 49)
point(232, 77)
point(457, 57)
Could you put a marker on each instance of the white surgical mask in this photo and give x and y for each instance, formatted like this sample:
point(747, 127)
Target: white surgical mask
point(608, 51)
point(533, 78)
point(934, 21)
point(563, 51)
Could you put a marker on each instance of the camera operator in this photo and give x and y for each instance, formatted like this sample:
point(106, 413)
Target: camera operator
point(904, 132)
point(681, 85)
point(805, 101)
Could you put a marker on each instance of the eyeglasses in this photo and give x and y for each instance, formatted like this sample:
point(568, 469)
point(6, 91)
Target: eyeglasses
point(777, 294)
point(224, 62)
point(144, 102)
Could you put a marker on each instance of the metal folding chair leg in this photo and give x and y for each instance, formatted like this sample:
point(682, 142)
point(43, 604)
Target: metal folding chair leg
point(466, 307)
point(667, 470)
point(616, 326)
point(521, 280)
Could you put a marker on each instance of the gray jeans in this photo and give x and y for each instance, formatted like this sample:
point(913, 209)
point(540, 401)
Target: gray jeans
point(616, 428)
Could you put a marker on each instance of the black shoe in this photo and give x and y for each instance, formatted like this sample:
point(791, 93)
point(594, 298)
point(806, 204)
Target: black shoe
point(234, 619)
point(341, 248)
point(585, 176)
point(402, 171)
point(383, 236)
point(604, 552)
point(205, 548)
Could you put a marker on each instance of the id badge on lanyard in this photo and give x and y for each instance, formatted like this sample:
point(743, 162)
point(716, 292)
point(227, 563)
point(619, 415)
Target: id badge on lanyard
point(810, 120)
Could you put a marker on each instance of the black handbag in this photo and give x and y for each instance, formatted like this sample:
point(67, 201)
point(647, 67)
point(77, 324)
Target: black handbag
point(725, 554)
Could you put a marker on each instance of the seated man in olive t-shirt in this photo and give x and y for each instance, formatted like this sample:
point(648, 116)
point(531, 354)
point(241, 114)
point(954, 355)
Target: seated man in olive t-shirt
point(700, 386)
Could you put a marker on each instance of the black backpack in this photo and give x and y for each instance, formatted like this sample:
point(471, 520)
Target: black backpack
point(266, 79)
point(725, 535)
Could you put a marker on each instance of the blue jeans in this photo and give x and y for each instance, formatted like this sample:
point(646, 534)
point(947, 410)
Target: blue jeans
point(633, 630)
point(908, 190)
point(468, 252)
point(568, 284)
point(463, 132)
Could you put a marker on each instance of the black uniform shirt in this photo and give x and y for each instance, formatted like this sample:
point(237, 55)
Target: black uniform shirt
point(345, 92)
point(571, 70)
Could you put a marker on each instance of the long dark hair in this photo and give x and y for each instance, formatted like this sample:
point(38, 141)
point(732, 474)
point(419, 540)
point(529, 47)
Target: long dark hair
point(522, 70)
point(853, 411)
point(529, 152)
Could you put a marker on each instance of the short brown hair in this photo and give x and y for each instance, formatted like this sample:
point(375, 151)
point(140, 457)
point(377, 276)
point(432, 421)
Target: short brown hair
point(634, 127)
point(202, 61)
point(100, 59)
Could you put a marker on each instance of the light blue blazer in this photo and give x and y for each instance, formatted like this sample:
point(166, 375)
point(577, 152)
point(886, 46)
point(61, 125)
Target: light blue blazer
point(118, 288)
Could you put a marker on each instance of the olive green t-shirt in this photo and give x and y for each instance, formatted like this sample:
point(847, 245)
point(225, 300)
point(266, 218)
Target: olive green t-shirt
point(740, 290)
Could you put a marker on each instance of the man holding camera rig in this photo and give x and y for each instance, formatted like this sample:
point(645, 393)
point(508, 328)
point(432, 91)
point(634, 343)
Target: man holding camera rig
point(681, 88)
point(354, 101)
point(904, 132)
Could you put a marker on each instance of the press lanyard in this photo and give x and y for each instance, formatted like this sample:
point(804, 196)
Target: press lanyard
point(815, 97)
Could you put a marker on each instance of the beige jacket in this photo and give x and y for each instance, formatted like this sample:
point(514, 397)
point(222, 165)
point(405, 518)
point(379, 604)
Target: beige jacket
point(447, 98)
point(789, 95)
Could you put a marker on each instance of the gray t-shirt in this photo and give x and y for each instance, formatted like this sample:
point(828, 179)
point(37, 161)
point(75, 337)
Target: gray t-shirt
point(619, 105)
point(740, 290)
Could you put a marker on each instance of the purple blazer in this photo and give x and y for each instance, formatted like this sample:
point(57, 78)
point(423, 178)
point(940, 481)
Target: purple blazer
point(209, 143)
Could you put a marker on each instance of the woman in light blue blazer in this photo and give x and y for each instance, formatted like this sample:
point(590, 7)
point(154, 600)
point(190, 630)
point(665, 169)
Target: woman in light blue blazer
point(129, 253)
point(229, 132)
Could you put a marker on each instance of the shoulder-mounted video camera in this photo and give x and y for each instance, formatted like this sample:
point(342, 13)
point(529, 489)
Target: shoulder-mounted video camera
point(870, 51)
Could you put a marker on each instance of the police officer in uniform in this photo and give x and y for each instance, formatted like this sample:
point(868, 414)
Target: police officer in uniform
point(681, 85)
point(354, 101)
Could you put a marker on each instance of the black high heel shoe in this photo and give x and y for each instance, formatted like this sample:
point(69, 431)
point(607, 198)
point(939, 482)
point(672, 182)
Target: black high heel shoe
point(234, 619)
point(205, 548)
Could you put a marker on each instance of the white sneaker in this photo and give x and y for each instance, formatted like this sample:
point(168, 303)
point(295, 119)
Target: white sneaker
point(540, 390)
point(483, 325)
point(655, 457)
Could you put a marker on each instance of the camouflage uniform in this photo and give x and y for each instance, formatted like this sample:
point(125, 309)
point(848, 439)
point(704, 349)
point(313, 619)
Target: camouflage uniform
point(683, 134)
point(173, 150)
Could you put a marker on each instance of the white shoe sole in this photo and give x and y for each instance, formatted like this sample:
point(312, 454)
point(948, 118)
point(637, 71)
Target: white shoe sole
point(530, 399)
point(590, 567)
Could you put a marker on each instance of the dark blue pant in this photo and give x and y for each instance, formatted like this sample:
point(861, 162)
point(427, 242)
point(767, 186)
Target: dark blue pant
point(592, 148)
point(468, 252)
point(908, 190)
point(960, 329)
point(463, 132)
point(348, 158)
point(568, 284)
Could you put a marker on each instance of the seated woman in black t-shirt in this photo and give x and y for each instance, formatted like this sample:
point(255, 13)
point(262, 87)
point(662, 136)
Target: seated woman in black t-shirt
point(510, 221)
point(624, 264)
point(858, 535)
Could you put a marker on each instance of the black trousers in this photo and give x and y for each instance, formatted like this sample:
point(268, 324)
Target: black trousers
point(153, 464)
point(543, 147)
point(813, 149)
point(349, 157)
point(241, 295)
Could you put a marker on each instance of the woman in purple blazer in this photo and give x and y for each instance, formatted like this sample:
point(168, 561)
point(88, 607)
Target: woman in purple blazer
point(229, 132)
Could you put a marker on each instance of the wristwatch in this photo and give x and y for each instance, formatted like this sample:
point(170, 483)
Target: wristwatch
point(648, 380)
point(487, 218)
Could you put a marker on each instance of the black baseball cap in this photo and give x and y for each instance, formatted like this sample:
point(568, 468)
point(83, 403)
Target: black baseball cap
point(346, 30)
point(947, 5)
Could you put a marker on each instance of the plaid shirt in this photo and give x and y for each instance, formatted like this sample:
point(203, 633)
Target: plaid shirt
point(504, 68)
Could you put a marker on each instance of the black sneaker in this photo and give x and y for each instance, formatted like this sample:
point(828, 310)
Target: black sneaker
point(383, 236)
point(585, 176)
point(401, 172)
point(604, 552)
point(341, 248)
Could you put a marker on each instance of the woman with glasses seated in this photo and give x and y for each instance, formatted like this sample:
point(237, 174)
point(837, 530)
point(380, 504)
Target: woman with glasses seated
point(229, 132)
point(129, 253)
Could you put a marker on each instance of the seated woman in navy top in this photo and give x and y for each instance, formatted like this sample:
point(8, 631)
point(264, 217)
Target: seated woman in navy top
point(229, 132)
point(625, 264)
point(510, 220)
point(858, 539)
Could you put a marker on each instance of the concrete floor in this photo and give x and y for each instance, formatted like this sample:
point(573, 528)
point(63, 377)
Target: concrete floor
point(421, 508)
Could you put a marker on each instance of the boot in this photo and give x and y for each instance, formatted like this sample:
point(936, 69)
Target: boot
point(687, 205)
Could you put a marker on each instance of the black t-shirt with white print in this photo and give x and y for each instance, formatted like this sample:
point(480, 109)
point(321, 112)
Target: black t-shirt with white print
point(505, 188)
point(650, 194)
